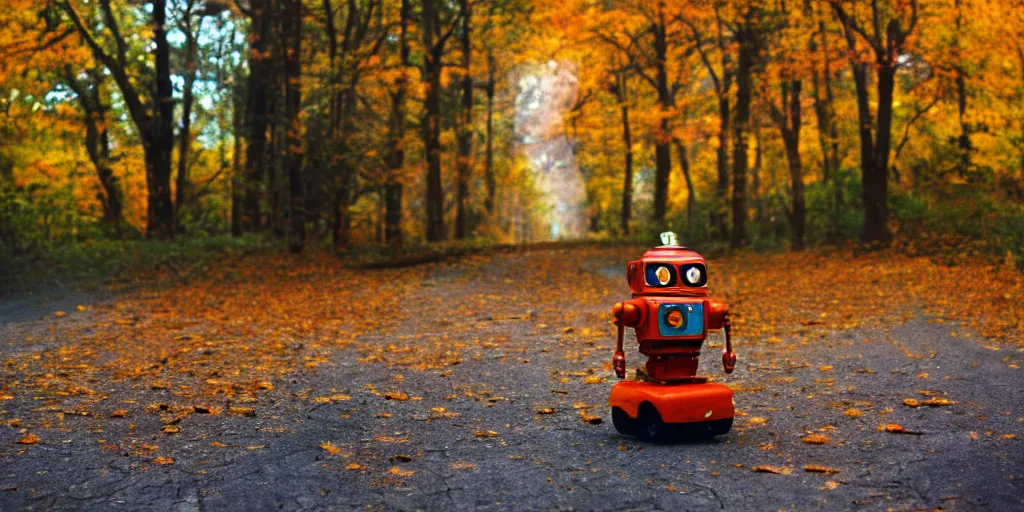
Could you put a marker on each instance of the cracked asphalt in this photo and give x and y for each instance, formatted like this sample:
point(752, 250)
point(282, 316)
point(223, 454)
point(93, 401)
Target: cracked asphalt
point(471, 436)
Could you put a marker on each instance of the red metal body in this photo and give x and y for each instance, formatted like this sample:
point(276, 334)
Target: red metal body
point(671, 314)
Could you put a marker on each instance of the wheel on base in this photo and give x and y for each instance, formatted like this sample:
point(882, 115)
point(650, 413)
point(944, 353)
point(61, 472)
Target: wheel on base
point(623, 423)
point(719, 427)
point(652, 428)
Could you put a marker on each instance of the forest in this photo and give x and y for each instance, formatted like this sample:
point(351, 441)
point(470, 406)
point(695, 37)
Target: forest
point(401, 123)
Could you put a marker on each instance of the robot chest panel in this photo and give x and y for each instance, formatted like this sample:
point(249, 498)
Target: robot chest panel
point(674, 318)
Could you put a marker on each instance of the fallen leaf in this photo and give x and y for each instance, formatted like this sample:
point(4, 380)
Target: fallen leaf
point(353, 467)
point(593, 379)
point(120, 413)
point(463, 465)
point(485, 433)
point(389, 439)
point(756, 420)
point(29, 439)
point(397, 471)
point(816, 439)
point(896, 428)
point(163, 461)
point(772, 469)
point(171, 429)
point(826, 368)
point(815, 468)
point(910, 402)
point(329, 448)
point(853, 413)
point(396, 395)
point(248, 412)
point(59, 314)
point(591, 419)
point(830, 485)
point(547, 410)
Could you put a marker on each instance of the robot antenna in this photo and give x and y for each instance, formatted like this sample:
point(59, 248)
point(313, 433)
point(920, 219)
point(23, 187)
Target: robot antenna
point(669, 238)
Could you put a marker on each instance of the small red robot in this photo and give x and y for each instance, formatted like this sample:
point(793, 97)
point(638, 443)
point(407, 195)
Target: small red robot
point(671, 314)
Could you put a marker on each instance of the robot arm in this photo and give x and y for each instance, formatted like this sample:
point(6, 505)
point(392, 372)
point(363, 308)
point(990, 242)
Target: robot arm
point(718, 318)
point(626, 314)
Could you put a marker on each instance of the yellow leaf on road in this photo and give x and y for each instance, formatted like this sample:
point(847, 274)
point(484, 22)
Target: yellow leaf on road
point(330, 448)
point(816, 439)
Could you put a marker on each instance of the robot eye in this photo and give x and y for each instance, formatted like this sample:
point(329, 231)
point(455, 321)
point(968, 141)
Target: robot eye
point(663, 275)
point(693, 275)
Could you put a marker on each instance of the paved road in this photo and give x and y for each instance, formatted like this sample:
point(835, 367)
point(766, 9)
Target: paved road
point(470, 436)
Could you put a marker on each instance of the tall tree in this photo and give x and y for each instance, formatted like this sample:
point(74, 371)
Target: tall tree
point(88, 88)
point(396, 136)
point(885, 41)
point(618, 88)
point(257, 109)
point(435, 34)
point(152, 116)
point(828, 129)
point(722, 72)
point(292, 41)
point(646, 42)
point(748, 39)
point(464, 163)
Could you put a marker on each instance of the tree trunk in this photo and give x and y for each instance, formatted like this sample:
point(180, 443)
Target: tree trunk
point(185, 134)
point(744, 85)
point(464, 164)
point(876, 177)
point(691, 196)
point(662, 152)
point(432, 121)
point(489, 155)
point(875, 155)
point(396, 136)
point(627, 182)
point(237, 123)
point(718, 218)
point(828, 133)
point(789, 126)
point(97, 143)
point(257, 111)
point(160, 218)
point(292, 25)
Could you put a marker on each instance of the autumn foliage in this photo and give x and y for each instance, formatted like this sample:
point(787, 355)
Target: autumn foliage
point(405, 121)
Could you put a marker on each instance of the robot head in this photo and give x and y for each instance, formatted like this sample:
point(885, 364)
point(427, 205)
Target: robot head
point(668, 270)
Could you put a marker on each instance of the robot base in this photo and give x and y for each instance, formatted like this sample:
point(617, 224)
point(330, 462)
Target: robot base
point(660, 412)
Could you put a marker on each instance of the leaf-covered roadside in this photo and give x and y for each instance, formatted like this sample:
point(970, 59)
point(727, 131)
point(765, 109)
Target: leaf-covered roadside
point(252, 320)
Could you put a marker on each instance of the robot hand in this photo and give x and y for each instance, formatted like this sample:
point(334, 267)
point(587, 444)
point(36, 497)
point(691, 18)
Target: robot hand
point(728, 361)
point(728, 356)
point(619, 362)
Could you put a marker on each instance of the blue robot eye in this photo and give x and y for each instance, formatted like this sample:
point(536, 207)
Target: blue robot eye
point(660, 275)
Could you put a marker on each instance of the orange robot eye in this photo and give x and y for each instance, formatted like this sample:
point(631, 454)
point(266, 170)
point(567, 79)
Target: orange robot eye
point(663, 275)
point(674, 318)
